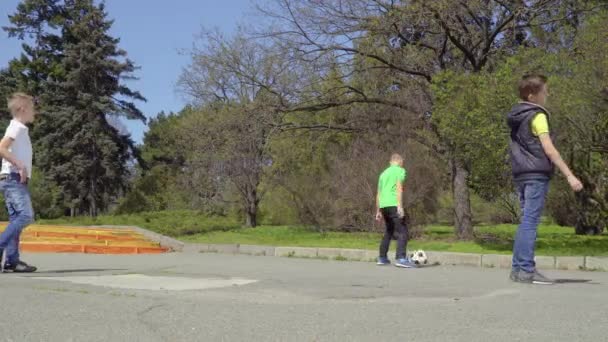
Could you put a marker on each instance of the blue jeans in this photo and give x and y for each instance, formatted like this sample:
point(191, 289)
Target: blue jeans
point(532, 195)
point(21, 214)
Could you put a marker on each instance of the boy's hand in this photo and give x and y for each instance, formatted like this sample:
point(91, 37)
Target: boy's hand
point(23, 175)
point(378, 215)
point(400, 212)
point(575, 183)
point(22, 172)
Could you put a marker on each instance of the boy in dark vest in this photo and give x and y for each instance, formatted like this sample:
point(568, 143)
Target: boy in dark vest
point(533, 158)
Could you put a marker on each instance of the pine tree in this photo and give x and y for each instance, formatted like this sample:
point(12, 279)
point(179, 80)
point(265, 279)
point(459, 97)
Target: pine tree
point(76, 68)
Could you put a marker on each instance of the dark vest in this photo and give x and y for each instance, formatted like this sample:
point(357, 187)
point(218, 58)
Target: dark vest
point(528, 159)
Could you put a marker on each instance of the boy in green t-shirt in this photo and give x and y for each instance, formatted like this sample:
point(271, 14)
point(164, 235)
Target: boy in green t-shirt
point(390, 208)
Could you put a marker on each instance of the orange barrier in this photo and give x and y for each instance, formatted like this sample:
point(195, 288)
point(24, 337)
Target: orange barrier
point(66, 239)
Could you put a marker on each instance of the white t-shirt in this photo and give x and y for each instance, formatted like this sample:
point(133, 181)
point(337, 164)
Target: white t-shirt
point(21, 148)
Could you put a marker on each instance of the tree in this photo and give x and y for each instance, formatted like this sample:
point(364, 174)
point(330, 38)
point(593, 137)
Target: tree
point(469, 112)
point(77, 69)
point(580, 97)
point(228, 148)
point(238, 84)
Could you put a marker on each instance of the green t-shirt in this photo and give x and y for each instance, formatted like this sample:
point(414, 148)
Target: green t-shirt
point(387, 185)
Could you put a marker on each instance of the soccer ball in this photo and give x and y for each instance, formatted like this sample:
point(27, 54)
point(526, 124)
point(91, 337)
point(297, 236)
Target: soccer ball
point(419, 257)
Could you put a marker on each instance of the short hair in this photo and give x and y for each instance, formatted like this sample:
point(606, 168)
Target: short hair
point(531, 84)
point(16, 100)
point(396, 158)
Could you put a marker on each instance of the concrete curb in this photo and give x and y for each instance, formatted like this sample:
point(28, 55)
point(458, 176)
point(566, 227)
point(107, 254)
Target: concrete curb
point(164, 241)
point(442, 258)
point(570, 263)
point(596, 263)
point(303, 252)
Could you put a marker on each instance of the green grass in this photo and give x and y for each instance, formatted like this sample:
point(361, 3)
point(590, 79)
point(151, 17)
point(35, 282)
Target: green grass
point(552, 240)
point(192, 226)
point(170, 223)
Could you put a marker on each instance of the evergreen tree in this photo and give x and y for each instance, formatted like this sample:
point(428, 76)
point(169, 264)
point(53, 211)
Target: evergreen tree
point(76, 68)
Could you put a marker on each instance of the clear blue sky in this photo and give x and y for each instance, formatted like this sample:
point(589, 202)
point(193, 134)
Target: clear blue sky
point(152, 33)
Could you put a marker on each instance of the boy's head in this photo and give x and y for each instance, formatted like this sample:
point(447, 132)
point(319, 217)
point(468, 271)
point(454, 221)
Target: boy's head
point(533, 88)
point(396, 159)
point(21, 107)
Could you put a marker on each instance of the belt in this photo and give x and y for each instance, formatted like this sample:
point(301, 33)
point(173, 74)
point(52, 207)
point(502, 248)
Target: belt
point(11, 177)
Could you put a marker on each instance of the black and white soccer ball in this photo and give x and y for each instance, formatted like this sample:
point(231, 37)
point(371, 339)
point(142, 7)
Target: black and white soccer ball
point(419, 257)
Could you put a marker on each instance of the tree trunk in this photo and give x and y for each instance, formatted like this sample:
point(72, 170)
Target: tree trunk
point(93, 199)
point(463, 225)
point(252, 215)
point(252, 202)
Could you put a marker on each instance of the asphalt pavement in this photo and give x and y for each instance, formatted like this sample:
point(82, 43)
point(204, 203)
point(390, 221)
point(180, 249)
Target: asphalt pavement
point(215, 297)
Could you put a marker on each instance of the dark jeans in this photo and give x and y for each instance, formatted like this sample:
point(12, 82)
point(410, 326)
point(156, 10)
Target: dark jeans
point(21, 214)
point(532, 195)
point(395, 226)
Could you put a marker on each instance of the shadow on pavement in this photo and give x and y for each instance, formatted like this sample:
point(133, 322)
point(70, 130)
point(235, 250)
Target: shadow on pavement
point(574, 281)
point(81, 270)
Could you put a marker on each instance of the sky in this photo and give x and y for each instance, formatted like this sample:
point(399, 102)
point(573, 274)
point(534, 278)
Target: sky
point(155, 34)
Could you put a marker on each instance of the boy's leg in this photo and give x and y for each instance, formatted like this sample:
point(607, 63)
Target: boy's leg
point(17, 198)
point(401, 230)
point(12, 249)
point(534, 193)
point(388, 231)
point(520, 188)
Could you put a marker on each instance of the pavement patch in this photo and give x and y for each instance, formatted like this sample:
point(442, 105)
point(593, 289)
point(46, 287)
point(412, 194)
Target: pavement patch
point(157, 283)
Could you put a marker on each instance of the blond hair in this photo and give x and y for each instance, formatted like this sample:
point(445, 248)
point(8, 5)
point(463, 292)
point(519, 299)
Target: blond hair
point(396, 158)
point(17, 100)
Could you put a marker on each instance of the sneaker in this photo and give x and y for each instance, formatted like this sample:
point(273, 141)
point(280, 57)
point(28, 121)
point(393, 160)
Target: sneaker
point(405, 263)
point(382, 261)
point(20, 267)
point(533, 278)
point(2, 260)
point(514, 275)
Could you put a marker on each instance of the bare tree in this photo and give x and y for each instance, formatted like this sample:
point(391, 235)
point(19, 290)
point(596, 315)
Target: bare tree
point(238, 83)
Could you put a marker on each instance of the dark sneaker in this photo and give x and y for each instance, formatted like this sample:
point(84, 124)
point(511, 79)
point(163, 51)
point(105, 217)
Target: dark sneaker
point(2, 260)
point(514, 276)
point(405, 263)
point(20, 267)
point(533, 278)
point(382, 261)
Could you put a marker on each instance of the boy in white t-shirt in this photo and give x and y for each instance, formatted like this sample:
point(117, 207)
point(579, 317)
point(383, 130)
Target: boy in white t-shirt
point(16, 153)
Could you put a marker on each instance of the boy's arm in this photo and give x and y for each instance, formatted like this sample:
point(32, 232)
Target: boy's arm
point(378, 212)
point(399, 193)
point(399, 198)
point(556, 158)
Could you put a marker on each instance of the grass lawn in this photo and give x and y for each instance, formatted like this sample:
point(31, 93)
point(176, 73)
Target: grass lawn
point(196, 227)
point(170, 223)
point(552, 240)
